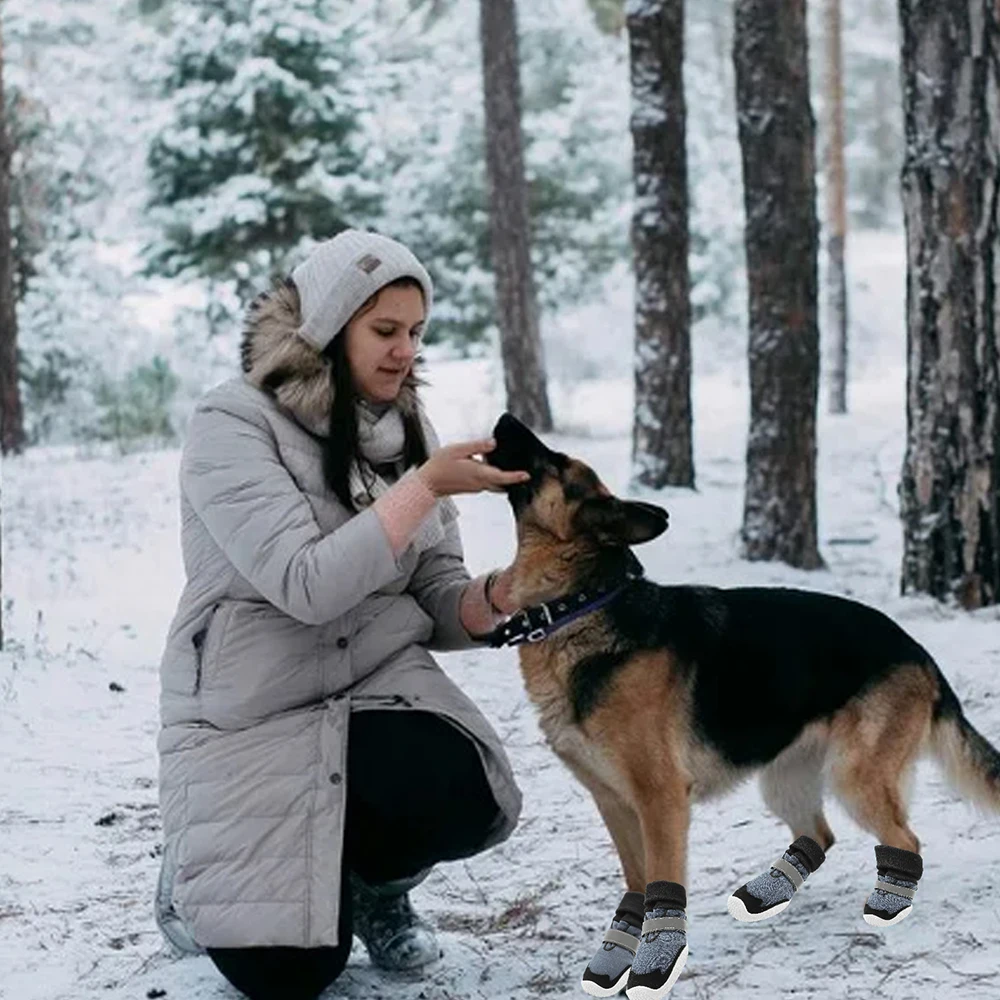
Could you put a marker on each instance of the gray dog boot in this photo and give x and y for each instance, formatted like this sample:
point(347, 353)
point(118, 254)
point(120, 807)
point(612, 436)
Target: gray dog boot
point(891, 900)
point(768, 894)
point(663, 949)
point(396, 938)
point(607, 971)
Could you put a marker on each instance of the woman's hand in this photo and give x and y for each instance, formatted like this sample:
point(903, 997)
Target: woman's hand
point(500, 592)
point(454, 469)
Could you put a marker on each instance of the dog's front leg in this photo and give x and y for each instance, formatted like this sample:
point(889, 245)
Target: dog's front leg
point(662, 796)
point(663, 802)
point(619, 817)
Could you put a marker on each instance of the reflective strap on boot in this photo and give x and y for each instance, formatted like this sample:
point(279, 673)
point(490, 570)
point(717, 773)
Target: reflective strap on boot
point(664, 924)
point(794, 875)
point(625, 940)
point(896, 890)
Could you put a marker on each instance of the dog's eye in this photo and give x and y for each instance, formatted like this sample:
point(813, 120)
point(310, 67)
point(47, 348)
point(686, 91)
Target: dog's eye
point(574, 491)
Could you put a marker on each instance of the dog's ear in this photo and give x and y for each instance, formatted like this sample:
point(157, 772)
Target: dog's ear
point(621, 522)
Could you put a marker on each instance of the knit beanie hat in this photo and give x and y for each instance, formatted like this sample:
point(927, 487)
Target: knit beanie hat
point(342, 273)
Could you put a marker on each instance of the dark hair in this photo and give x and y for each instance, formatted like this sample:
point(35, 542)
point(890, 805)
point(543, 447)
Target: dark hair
point(341, 445)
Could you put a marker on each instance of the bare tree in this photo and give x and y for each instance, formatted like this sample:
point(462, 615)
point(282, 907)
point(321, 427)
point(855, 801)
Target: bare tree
point(12, 437)
point(662, 437)
point(950, 489)
point(777, 142)
point(517, 306)
point(836, 208)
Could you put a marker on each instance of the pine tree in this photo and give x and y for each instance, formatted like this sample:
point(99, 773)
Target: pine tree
point(779, 188)
point(574, 113)
point(950, 488)
point(662, 437)
point(510, 230)
point(266, 152)
point(12, 437)
point(836, 208)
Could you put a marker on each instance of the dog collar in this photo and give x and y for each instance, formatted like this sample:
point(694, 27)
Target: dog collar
point(538, 622)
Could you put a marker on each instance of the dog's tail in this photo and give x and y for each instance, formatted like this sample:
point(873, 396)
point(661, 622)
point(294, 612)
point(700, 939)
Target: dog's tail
point(970, 761)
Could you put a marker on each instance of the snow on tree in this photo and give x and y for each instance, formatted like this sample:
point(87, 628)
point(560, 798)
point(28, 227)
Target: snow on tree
point(267, 150)
point(79, 180)
point(575, 122)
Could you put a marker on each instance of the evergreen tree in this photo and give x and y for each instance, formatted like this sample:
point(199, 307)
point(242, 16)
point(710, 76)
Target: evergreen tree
point(266, 150)
point(510, 228)
point(836, 206)
point(574, 119)
point(12, 436)
point(74, 190)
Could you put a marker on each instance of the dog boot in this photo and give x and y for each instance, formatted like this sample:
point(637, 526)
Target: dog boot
point(768, 894)
point(607, 971)
point(891, 900)
point(396, 938)
point(663, 948)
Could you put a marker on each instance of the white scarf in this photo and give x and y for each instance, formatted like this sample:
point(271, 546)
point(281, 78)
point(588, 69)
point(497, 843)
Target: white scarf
point(381, 440)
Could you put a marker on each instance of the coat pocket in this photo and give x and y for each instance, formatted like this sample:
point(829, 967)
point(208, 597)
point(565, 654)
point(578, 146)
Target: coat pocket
point(206, 642)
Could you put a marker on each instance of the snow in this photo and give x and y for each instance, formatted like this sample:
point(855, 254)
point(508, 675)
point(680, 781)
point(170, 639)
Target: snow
point(92, 565)
point(92, 572)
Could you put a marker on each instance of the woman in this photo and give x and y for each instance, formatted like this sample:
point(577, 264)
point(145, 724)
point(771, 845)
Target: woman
point(315, 761)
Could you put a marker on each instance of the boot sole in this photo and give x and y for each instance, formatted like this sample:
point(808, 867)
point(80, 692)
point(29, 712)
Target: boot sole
point(593, 990)
point(649, 993)
point(738, 910)
point(876, 921)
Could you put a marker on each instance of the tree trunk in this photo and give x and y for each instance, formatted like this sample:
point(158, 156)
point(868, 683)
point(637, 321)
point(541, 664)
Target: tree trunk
point(661, 437)
point(12, 438)
point(950, 489)
point(776, 132)
point(11, 423)
point(517, 308)
point(836, 209)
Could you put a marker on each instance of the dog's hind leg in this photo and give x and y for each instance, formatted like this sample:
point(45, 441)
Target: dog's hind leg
point(792, 788)
point(877, 742)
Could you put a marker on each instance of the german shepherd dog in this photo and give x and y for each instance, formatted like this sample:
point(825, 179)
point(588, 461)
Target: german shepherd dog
point(667, 695)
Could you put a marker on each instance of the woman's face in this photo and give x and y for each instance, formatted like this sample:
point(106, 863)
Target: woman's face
point(382, 341)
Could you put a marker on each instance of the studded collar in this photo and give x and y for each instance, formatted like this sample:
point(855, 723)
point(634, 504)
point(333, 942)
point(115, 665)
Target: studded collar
point(536, 623)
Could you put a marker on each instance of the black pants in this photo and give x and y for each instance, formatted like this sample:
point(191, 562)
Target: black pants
point(409, 773)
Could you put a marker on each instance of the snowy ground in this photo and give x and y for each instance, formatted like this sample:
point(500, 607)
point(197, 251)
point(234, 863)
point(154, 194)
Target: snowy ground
point(92, 571)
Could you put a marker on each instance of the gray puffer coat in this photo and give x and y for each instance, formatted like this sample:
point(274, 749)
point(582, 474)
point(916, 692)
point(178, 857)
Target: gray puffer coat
point(295, 612)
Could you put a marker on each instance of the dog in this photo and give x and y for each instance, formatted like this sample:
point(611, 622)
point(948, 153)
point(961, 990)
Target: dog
point(658, 697)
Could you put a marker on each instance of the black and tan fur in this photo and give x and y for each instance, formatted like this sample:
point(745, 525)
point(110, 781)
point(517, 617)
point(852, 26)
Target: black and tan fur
point(673, 694)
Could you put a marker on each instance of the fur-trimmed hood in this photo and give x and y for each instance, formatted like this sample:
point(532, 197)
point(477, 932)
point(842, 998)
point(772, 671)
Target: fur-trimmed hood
point(278, 361)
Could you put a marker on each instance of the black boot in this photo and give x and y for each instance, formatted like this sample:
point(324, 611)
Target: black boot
point(891, 900)
point(396, 938)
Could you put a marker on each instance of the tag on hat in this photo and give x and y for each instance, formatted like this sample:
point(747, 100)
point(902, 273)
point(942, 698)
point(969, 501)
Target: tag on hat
point(369, 263)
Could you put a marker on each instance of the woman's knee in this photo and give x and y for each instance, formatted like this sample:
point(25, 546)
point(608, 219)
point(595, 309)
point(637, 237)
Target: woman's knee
point(281, 973)
point(285, 973)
